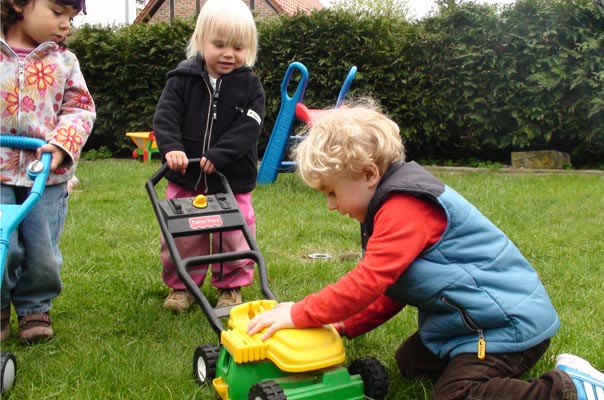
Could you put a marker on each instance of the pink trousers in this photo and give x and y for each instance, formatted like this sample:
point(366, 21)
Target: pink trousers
point(230, 274)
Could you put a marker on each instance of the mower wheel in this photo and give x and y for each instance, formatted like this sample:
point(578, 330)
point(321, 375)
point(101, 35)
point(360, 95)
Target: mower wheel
point(266, 390)
point(204, 363)
point(8, 371)
point(374, 376)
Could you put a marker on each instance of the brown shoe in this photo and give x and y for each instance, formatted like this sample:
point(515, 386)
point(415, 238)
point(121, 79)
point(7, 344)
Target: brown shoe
point(178, 301)
point(35, 327)
point(229, 297)
point(5, 323)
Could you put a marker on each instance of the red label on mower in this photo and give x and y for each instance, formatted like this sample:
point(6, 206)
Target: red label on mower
point(211, 221)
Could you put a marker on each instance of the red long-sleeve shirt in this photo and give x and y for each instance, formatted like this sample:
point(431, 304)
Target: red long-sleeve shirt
point(404, 226)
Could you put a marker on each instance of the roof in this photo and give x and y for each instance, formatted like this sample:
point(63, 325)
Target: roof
point(289, 7)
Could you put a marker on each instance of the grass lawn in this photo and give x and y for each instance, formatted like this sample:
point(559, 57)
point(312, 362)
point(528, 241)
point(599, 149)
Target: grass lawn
point(113, 340)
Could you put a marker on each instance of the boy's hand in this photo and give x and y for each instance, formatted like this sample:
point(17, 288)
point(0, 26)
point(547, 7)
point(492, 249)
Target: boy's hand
point(277, 318)
point(177, 161)
point(57, 154)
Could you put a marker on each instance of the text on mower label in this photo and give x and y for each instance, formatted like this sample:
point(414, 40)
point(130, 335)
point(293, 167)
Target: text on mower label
point(209, 221)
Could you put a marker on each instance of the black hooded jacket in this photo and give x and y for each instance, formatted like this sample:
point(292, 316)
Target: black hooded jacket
point(222, 125)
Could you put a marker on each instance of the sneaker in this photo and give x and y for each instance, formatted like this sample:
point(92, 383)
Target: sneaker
point(178, 301)
point(229, 297)
point(588, 380)
point(35, 327)
point(5, 323)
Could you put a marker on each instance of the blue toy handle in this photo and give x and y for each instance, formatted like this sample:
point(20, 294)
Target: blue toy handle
point(36, 172)
point(21, 142)
point(299, 92)
point(277, 143)
point(346, 86)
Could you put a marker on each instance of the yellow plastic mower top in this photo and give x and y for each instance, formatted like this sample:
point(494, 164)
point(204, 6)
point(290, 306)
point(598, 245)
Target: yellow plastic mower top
point(292, 350)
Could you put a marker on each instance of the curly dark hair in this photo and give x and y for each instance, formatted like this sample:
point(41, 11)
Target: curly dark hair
point(10, 16)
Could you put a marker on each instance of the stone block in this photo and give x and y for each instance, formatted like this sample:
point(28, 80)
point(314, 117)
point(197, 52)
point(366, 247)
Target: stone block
point(543, 159)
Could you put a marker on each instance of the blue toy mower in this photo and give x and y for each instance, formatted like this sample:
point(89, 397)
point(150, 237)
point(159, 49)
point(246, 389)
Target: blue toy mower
point(11, 216)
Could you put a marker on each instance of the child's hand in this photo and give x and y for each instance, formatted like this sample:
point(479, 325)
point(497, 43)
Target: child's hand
point(177, 161)
point(57, 154)
point(277, 318)
point(207, 166)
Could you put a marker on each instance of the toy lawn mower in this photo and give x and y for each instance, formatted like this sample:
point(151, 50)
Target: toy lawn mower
point(293, 364)
point(11, 216)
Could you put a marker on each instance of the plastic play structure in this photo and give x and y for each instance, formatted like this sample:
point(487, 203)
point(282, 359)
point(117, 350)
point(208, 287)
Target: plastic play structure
point(145, 145)
point(292, 108)
point(11, 216)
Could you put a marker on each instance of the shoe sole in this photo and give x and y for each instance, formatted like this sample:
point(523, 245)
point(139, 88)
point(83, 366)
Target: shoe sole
point(36, 334)
point(588, 380)
point(177, 308)
point(228, 304)
point(592, 388)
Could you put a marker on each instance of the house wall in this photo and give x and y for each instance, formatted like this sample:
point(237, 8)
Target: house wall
point(185, 9)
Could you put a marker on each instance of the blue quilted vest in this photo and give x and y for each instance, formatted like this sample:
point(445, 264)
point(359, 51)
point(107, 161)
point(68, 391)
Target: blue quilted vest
point(473, 284)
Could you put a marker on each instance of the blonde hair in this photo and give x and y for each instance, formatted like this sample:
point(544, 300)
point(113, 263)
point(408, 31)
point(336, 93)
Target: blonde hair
point(233, 20)
point(347, 140)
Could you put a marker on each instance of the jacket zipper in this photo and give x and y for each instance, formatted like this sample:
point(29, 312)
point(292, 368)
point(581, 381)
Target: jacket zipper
point(212, 114)
point(20, 103)
point(470, 324)
point(21, 84)
point(214, 102)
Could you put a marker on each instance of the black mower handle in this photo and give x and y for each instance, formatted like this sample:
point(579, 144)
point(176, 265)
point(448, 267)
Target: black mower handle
point(181, 264)
point(163, 170)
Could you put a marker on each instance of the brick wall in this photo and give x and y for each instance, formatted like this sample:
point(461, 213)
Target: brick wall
point(262, 9)
point(186, 9)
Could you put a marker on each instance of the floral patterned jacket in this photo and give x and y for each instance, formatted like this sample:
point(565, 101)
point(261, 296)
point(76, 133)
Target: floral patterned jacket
point(43, 96)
